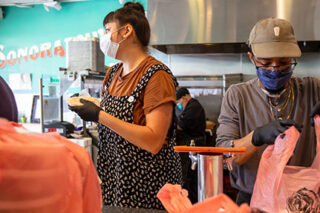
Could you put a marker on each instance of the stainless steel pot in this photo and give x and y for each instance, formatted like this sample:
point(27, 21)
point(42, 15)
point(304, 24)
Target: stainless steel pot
point(210, 175)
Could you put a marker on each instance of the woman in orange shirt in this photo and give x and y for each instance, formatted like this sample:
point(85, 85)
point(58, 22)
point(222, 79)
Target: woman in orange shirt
point(135, 116)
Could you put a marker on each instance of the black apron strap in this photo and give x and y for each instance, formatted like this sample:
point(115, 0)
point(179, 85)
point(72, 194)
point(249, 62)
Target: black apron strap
point(147, 76)
point(113, 70)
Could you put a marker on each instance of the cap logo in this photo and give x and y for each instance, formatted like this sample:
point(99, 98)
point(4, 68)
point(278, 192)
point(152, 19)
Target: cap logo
point(276, 31)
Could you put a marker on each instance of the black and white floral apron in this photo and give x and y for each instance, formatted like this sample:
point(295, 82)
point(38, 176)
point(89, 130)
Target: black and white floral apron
point(131, 176)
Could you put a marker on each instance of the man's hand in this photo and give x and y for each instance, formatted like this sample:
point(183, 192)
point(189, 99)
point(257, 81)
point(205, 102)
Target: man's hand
point(88, 111)
point(315, 111)
point(268, 133)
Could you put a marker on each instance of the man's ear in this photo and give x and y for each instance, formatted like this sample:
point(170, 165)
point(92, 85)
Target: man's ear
point(251, 57)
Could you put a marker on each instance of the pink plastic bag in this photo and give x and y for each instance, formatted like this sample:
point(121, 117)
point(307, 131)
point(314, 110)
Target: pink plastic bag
point(175, 200)
point(282, 188)
point(219, 203)
point(45, 173)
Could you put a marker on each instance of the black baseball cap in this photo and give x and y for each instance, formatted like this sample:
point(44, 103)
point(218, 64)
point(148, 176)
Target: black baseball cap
point(182, 92)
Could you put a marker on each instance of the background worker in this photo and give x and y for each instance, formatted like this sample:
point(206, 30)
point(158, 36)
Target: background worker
point(191, 126)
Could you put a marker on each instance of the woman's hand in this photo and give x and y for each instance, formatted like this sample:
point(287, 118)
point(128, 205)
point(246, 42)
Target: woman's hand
point(88, 111)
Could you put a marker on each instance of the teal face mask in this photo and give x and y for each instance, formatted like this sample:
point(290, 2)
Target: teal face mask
point(179, 106)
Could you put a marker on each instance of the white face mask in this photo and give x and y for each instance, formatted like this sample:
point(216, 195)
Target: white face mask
point(108, 47)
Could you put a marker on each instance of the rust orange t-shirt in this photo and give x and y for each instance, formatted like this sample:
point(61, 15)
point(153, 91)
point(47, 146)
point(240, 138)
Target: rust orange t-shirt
point(159, 90)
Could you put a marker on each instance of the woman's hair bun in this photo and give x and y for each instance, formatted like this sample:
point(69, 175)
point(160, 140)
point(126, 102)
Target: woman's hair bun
point(135, 6)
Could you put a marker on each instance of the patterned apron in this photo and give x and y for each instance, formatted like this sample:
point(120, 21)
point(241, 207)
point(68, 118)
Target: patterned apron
point(131, 177)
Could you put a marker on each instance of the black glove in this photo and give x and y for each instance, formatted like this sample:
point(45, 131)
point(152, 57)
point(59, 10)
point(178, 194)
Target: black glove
point(315, 111)
point(88, 111)
point(268, 133)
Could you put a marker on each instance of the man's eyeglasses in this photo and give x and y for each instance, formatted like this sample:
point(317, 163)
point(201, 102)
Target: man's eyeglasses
point(282, 66)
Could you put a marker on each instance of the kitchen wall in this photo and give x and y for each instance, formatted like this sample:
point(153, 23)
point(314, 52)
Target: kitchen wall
point(186, 25)
point(230, 63)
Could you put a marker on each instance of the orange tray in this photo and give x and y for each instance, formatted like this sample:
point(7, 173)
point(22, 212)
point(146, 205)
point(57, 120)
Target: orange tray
point(207, 149)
